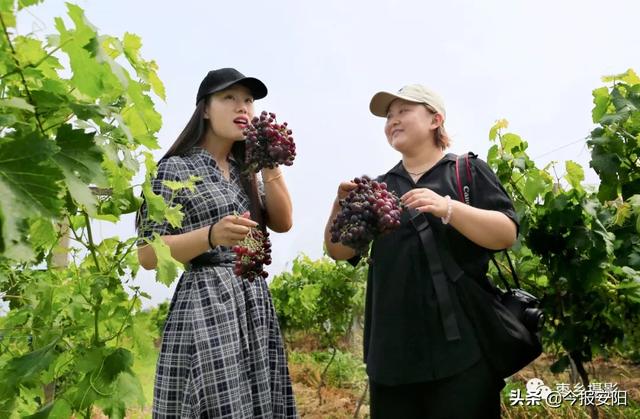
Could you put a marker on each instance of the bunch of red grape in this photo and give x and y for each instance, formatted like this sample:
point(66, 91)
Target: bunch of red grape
point(267, 143)
point(367, 212)
point(252, 253)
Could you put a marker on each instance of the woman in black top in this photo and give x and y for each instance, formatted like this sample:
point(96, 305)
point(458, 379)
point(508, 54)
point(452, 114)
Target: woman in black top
point(222, 354)
point(420, 365)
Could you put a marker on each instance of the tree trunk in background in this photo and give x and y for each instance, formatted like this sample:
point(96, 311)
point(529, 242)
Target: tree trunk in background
point(59, 260)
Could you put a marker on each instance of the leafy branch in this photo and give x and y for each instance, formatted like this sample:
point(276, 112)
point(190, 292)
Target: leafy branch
point(37, 63)
point(20, 71)
point(125, 321)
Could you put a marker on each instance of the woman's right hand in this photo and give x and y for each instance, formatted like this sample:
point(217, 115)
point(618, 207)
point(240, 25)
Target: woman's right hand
point(231, 229)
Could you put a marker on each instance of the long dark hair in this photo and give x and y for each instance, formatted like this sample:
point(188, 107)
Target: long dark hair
point(191, 136)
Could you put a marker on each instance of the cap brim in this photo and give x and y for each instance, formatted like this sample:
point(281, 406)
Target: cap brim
point(380, 102)
point(256, 87)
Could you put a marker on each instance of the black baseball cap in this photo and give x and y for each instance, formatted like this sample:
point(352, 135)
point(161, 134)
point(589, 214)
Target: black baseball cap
point(220, 79)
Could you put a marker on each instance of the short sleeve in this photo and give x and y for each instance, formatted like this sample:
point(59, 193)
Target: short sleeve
point(489, 192)
point(167, 170)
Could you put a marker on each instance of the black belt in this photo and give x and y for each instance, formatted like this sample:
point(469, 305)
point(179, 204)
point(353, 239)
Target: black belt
point(212, 259)
point(440, 285)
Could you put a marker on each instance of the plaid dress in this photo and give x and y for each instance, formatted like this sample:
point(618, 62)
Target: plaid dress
point(222, 354)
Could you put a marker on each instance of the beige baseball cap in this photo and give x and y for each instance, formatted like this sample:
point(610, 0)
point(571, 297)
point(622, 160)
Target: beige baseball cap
point(413, 93)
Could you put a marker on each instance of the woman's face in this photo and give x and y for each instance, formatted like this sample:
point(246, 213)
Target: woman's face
point(409, 125)
point(229, 111)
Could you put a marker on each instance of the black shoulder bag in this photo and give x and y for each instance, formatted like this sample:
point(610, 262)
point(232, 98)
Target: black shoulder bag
point(508, 328)
point(506, 323)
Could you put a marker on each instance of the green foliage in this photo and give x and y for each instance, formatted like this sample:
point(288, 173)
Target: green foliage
point(71, 143)
point(158, 316)
point(614, 143)
point(321, 297)
point(346, 370)
point(579, 250)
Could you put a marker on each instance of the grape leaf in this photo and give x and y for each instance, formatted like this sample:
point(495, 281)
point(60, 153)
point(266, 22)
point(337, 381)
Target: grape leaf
point(17, 103)
point(156, 83)
point(629, 77)
point(26, 3)
point(11, 221)
point(127, 393)
point(156, 205)
point(510, 142)
point(141, 118)
point(500, 124)
point(29, 183)
point(189, 184)
point(601, 102)
point(131, 44)
point(23, 368)
point(174, 215)
point(81, 193)
point(118, 361)
point(575, 174)
point(43, 234)
point(80, 159)
point(28, 50)
point(167, 266)
point(8, 13)
point(58, 409)
point(86, 72)
point(534, 186)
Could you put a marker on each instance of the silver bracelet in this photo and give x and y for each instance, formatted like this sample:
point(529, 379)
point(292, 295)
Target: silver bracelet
point(447, 218)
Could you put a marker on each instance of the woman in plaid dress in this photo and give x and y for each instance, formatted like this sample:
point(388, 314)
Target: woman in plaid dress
point(222, 354)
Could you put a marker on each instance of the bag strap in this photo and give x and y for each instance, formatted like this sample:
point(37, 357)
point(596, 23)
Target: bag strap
point(464, 180)
point(437, 269)
point(449, 323)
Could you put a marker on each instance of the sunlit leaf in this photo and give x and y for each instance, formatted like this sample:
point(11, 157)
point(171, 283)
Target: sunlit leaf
point(629, 77)
point(575, 174)
point(601, 102)
point(167, 267)
point(18, 103)
point(500, 124)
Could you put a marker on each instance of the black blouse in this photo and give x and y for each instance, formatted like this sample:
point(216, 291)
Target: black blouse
point(404, 340)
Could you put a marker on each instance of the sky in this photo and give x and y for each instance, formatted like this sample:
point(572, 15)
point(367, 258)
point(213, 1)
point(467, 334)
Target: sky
point(532, 63)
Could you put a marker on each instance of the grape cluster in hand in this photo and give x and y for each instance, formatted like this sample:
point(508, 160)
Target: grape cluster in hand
point(367, 212)
point(252, 253)
point(267, 143)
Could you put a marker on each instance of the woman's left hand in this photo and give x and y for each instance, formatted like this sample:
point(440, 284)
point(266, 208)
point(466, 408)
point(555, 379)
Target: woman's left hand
point(425, 200)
